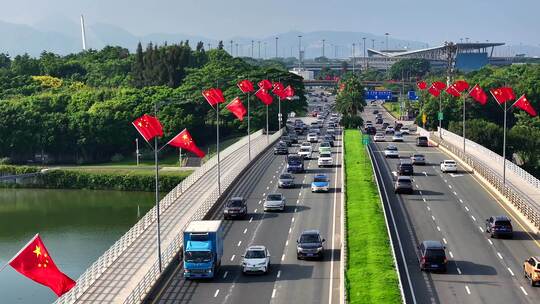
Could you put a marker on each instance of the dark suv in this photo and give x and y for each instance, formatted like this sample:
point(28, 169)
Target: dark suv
point(405, 168)
point(499, 226)
point(422, 141)
point(310, 245)
point(236, 207)
point(432, 256)
point(281, 148)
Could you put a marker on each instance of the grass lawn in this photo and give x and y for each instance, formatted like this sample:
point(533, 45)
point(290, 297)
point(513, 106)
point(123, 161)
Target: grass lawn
point(371, 276)
point(147, 170)
point(393, 108)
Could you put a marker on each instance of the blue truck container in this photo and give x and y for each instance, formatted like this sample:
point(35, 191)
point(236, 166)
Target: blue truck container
point(295, 164)
point(203, 249)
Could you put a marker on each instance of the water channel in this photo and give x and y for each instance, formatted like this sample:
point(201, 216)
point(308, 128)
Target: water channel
point(77, 226)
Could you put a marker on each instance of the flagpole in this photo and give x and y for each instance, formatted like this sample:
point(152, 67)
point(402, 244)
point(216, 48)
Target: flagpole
point(248, 129)
point(180, 157)
point(157, 196)
point(217, 149)
point(464, 97)
point(267, 139)
point(504, 146)
point(440, 118)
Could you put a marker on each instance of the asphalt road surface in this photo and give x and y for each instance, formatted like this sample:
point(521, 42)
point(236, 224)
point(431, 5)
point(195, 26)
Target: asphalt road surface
point(452, 208)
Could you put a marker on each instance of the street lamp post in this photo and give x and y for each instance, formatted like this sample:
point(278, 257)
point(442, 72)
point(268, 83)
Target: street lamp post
point(387, 34)
point(323, 47)
point(353, 59)
point(299, 51)
point(252, 48)
point(365, 62)
point(277, 38)
point(259, 56)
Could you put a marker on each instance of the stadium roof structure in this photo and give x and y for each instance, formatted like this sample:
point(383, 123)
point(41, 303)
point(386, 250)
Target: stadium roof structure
point(437, 52)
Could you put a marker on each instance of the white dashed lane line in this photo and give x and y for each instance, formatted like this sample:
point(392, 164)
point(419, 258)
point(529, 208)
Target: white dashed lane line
point(283, 257)
point(510, 270)
point(245, 231)
point(239, 243)
point(473, 218)
point(467, 208)
point(433, 218)
point(438, 228)
point(225, 274)
point(499, 255)
point(481, 229)
point(523, 289)
point(216, 293)
point(444, 240)
point(458, 270)
point(273, 293)
point(232, 258)
point(279, 274)
point(251, 219)
point(461, 201)
point(451, 254)
point(467, 289)
point(490, 242)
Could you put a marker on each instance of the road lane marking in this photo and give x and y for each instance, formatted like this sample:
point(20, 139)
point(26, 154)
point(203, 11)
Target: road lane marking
point(290, 230)
point(473, 218)
point(467, 289)
point(461, 201)
point(283, 257)
point(245, 231)
point(420, 192)
point(455, 193)
point(267, 187)
point(216, 293)
point(458, 270)
point(445, 181)
point(444, 240)
point(451, 255)
point(500, 256)
point(467, 208)
point(255, 210)
point(416, 185)
point(438, 228)
point(450, 186)
point(297, 201)
point(490, 242)
point(287, 243)
point(424, 200)
point(279, 274)
point(425, 173)
point(239, 242)
point(271, 181)
point(300, 194)
point(433, 218)
point(292, 220)
point(481, 229)
point(273, 293)
point(523, 289)
point(264, 194)
point(260, 201)
point(225, 274)
point(251, 219)
point(295, 209)
point(232, 258)
point(429, 209)
point(510, 270)
point(274, 176)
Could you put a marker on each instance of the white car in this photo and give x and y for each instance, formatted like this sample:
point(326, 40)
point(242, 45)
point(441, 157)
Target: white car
point(389, 130)
point(305, 152)
point(397, 136)
point(325, 159)
point(305, 144)
point(391, 151)
point(405, 130)
point(312, 137)
point(379, 137)
point(274, 201)
point(448, 165)
point(256, 259)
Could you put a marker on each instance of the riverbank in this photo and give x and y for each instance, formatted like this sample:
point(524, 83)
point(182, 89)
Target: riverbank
point(371, 275)
point(95, 178)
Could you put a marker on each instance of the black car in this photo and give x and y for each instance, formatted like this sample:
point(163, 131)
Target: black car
point(310, 245)
point(499, 226)
point(294, 138)
point(236, 207)
point(422, 141)
point(385, 125)
point(432, 256)
point(281, 149)
point(403, 185)
point(371, 130)
point(398, 126)
point(405, 168)
point(286, 140)
point(375, 111)
point(379, 121)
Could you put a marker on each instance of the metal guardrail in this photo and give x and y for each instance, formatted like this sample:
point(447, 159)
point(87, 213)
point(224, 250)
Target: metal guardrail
point(510, 166)
point(528, 207)
point(109, 256)
point(151, 277)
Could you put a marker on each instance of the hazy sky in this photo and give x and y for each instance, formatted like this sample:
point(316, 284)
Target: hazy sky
point(431, 21)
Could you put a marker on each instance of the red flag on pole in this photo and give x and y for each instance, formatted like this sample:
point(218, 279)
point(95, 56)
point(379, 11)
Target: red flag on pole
point(503, 94)
point(237, 108)
point(289, 92)
point(422, 85)
point(433, 91)
point(524, 104)
point(452, 91)
point(479, 95)
point(265, 84)
point(148, 126)
point(35, 263)
point(213, 96)
point(279, 90)
point(246, 86)
point(461, 85)
point(263, 95)
point(185, 141)
point(439, 85)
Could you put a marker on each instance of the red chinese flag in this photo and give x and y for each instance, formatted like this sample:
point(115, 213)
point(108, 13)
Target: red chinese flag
point(246, 86)
point(452, 91)
point(503, 94)
point(148, 126)
point(433, 91)
point(439, 85)
point(213, 96)
point(279, 90)
point(263, 95)
point(422, 85)
point(185, 141)
point(461, 85)
point(237, 108)
point(35, 263)
point(524, 104)
point(479, 95)
point(289, 92)
point(265, 84)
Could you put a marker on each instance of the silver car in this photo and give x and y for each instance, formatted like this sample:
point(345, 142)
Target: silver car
point(274, 201)
point(256, 259)
point(286, 180)
point(418, 159)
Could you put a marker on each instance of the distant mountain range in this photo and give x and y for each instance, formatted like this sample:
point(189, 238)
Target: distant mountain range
point(63, 36)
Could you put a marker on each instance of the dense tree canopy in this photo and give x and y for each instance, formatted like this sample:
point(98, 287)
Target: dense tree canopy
point(79, 108)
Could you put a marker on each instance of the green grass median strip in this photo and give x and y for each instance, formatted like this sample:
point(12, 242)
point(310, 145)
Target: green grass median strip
point(371, 275)
point(392, 108)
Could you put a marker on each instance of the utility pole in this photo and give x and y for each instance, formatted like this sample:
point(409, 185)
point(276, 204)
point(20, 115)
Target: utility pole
point(323, 47)
point(277, 38)
point(265, 50)
point(231, 49)
point(387, 34)
point(259, 49)
point(365, 61)
point(236, 49)
point(252, 48)
point(353, 45)
point(373, 43)
point(299, 51)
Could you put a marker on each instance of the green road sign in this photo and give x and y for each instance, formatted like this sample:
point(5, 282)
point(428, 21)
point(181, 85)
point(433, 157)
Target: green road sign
point(366, 140)
point(440, 115)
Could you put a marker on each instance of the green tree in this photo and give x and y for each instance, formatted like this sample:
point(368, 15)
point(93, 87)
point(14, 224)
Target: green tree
point(409, 68)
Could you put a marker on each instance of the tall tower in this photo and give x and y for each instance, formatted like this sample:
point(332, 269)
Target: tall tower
point(83, 34)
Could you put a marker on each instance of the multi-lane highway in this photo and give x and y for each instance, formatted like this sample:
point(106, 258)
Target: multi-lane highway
point(452, 208)
point(289, 280)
